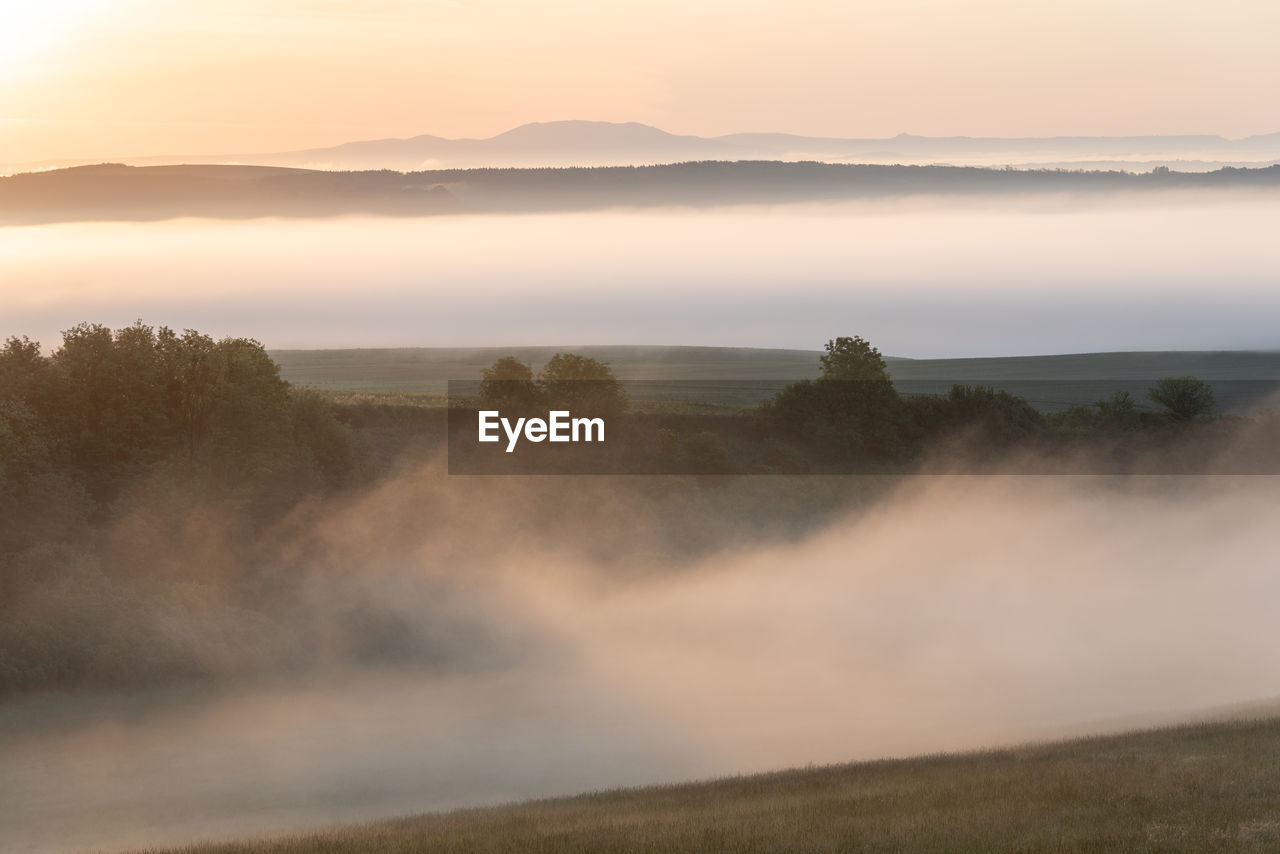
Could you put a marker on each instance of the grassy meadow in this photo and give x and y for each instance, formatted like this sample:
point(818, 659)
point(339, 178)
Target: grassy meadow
point(1198, 787)
point(743, 377)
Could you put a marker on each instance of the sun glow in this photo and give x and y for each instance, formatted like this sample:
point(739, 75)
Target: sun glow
point(83, 80)
point(28, 30)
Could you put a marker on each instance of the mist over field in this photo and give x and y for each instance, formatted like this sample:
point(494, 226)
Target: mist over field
point(920, 277)
point(933, 613)
point(939, 348)
point(427, 642)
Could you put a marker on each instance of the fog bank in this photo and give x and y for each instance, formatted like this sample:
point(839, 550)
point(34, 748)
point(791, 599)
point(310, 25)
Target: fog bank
point(919, 277)
point(956, 613)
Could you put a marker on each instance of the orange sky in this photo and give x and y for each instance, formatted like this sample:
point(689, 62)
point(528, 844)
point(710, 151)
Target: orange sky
point(102, 78)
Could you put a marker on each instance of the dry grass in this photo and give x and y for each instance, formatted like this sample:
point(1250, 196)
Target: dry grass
point(1205, 787)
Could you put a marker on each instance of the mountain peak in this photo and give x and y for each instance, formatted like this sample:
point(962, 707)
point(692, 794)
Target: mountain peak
point(582, 132)
point(579, 142)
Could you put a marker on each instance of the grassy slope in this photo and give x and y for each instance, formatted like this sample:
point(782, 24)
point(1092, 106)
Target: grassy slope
point(422, 369)
point(1203, 787)
point(1049, 382)
point(424, 372)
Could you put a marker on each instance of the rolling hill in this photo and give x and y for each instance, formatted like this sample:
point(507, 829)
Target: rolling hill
point(745, 376)
point(138, 193)
point(1202, 787)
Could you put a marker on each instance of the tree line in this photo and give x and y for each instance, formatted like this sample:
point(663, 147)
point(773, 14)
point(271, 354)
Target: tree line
point(154, 486)
point(850, 414)
point(106, 408)
point(854, 404)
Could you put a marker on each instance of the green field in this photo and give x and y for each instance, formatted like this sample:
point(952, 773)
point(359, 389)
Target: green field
point(1202, 787)
point(427, 369)
point(743, 377)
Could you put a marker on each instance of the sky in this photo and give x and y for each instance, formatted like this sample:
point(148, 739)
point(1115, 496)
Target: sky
point(102, 78)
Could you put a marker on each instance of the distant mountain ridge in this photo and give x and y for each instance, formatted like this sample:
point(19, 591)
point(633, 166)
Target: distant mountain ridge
point(594, 143)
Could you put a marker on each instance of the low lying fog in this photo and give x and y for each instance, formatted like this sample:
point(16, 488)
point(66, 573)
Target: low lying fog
point(917, 277)
point(955, 613)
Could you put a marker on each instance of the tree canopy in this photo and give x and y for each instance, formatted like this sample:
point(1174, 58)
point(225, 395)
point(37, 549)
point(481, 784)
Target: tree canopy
point(567, 381)
point(109, 406)
point(852, 358)
point(1185, 398)
point(852, 407)
point(508, 384)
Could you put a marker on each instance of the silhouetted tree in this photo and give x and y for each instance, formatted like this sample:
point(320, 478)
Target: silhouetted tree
point(1000, 416)
point(852, 408)
point(582, 384)
point(508, 384)
point(109, 406)
point(1119, 411)
point(852, 359)
point(1184, 397)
